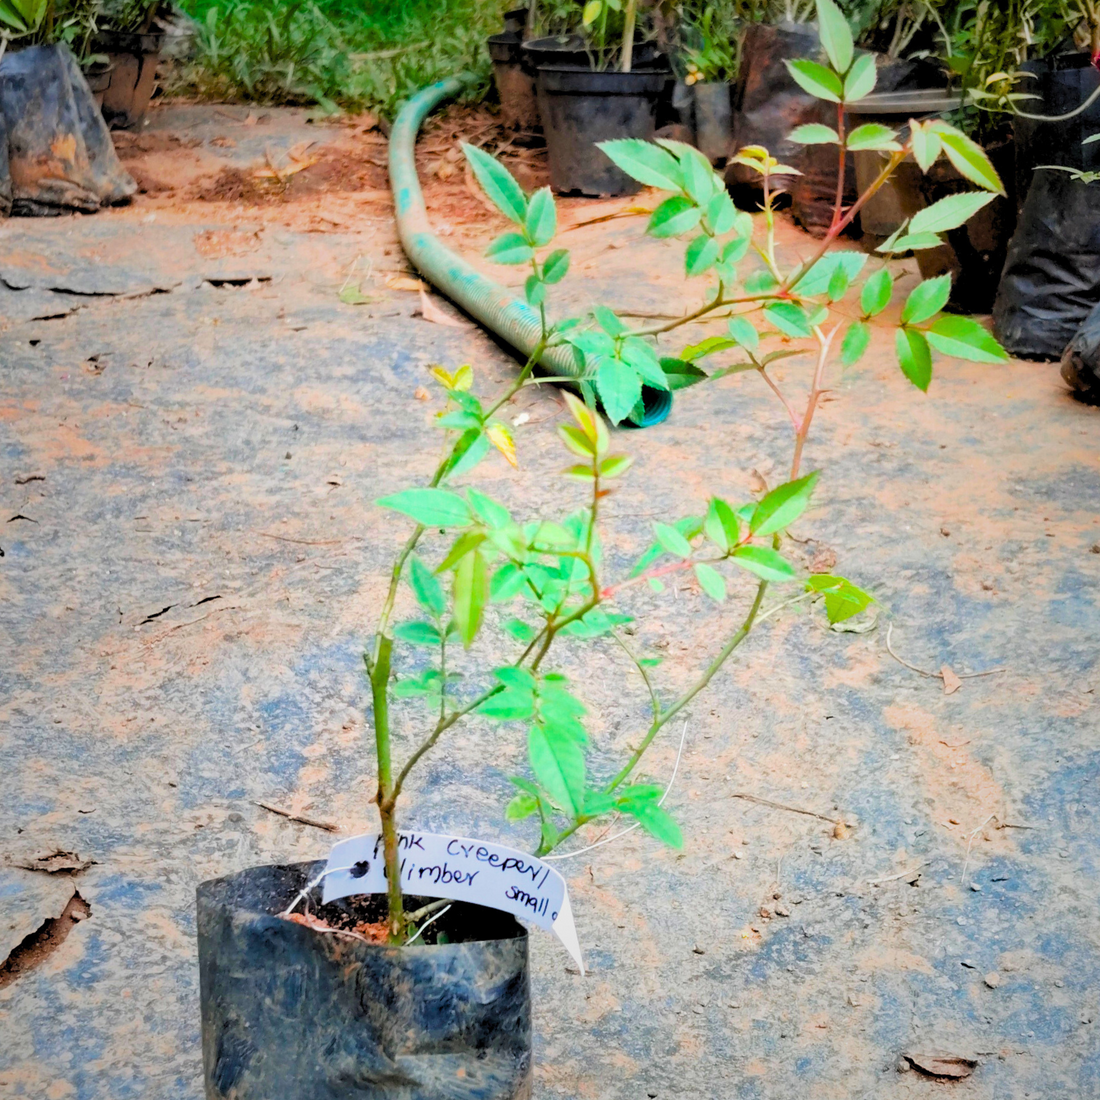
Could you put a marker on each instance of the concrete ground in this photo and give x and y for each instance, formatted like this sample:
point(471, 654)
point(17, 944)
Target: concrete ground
point(194, 422)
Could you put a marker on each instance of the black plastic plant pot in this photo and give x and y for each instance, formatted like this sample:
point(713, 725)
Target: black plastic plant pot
point(515, 80)
point(291, 1012)
point(713, 120)
point(133, 59)
point(515, 21)
point(570, 49)
point(579, 109)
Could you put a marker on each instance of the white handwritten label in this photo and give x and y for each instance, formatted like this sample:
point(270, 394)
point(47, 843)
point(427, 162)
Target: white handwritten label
point(437, 866)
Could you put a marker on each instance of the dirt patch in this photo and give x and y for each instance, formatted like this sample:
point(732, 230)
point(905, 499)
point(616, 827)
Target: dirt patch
point(371, 931)
point(218, 243)
point(133, 146)
point(44, 941)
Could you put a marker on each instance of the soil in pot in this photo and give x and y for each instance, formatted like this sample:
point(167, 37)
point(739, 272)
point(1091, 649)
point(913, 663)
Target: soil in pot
point(579, 109)
point(515, 80)
point(291, 1011)
point(133, 59)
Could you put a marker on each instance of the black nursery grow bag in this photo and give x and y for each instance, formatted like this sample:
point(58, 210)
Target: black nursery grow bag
point(289, 1012)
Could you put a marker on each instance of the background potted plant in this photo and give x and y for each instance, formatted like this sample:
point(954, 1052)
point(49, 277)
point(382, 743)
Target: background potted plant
point(514, 74)
point(400, 995)
point(127, 39)
point(599, 81)
point(709, 59)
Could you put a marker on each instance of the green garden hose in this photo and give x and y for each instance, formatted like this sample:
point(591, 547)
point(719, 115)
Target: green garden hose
point(489, 303)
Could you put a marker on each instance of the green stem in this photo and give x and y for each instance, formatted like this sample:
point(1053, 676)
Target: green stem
point(628, 34)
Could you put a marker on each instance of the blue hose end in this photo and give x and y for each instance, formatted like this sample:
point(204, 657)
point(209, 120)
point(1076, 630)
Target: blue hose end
point(656, 405)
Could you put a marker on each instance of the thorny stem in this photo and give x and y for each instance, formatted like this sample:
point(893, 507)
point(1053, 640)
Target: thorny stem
point(825, 343)
point(838, 208)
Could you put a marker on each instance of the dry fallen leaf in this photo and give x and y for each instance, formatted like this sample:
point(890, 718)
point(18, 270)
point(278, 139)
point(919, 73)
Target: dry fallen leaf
point(951, 682)
point(431, 312)
point(756, 483)
point(942, 1065)
point(403, 282)
point(57, 862)
point(352, 296)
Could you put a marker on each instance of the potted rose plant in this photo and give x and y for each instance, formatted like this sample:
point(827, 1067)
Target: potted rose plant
point(411, 991)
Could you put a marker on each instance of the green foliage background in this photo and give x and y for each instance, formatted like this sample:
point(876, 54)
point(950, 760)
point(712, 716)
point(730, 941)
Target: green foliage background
point(305, 52)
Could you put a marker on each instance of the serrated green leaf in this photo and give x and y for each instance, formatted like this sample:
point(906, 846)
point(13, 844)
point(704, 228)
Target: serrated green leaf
point(607, 320)
point(965, 338)
point(910, 242)
point(836, 35)
point(926, 300)
point(856, 342)
point(838, 285)
point(521, 631)
point(542, 218)
point(711, 581)
point(511, 248)
point(814, 133)
point(649, 164)
point(430, 507)
point(877, 292)
point(701, 255)
point(672, 540)
point(817, 279)
point(873, 137)
point(507, 582)
point(969, 158)
point(721, 214)
point(498, 184)
point(743, 331)
point(767, 564)
point(914, 357)
point(782, 506)
point(643, 358)
point(465, 543)
point(534, 290)
point(926, 146)
point(789, 318)
point(643, 804)
point(619, 387)
point(721, 525)
point(950, 213)
point(843, 600)
point(820, 82)
point(615, 466)
point(556, 267)
point(426, 587)
point(861, 79)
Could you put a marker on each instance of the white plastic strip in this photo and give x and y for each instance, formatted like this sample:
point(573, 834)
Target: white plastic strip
point(438, 866)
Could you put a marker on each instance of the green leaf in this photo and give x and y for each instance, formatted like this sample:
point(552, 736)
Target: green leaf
point(521, 807)
point(910, 242)
point(510, 705)
point(914, 357)
point(521, 631)
point(597, 803)
point(511, 248)
point(497, 183)
point(926, 146)
point(820, 82)
point(782, 506)
point(556, 267)
point(950, 213)
point(721, 214)
point(672, 540)
point(576, 441)
point(558, 763)
point(814, 133)
point(676, 215)
point(856, 342)
point(647, 163)
point(969, 158)
point(681, 374)
point(619, 388)
point(721, 525)
point(701, 255)
point(760, 282)
point(429, 507)
point(615, 466)
point(426, 587)
point(542, 218)
point(465, 544)
point(591, 12)
point(877, 292)
point(643, 804)
point(471, 448)
point(507, 582)
point(861, 79)
point(534, 290)
point(711, 581)
point(689, 527)
point(608, 321)
point(641, 356)
point(820, 276)
point(700, 182)
point(836, 35)
point(744, 333)
point(471, 591)
point(873, 137)
point(789, 318)
point(417, 633)
point(926, 300)
point(767, 564)
point(494, 514)
point(843, 600)
point(965, 338)
point(709, 346)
